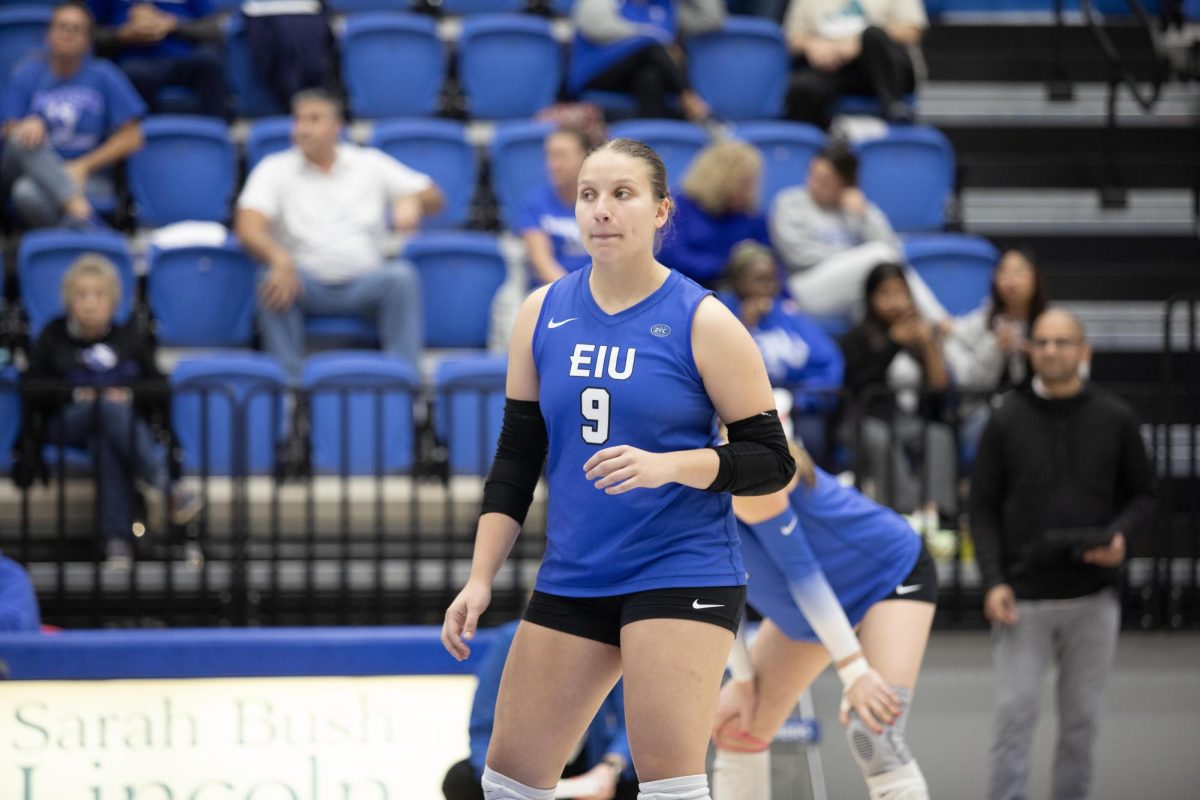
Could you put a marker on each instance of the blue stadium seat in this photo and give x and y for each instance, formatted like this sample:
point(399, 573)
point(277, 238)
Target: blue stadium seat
point(186, 171)
point(10, 414)
point(866, 105)
point(754, 88)
point(439, 148)
point(266, 137)
point(518, 160)
point(22, 30)
point(675, 141)
point(393, 65)
point(202, 295)
point(509, 65)
point(228, 412)
point(348, 329)
point(787, 147)
point(957, 267)
point(909, 174)
point(460, 273)
point(362, 412)
point(470, 7)
point(43, 259)
point(468, 410)
point(365, 6)
point(251, 96)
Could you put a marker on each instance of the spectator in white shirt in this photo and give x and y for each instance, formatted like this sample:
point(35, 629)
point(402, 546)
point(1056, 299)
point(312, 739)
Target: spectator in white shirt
point(316, 215)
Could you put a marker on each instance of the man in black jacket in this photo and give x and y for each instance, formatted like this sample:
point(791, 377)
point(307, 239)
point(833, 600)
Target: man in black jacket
point(1060, 481)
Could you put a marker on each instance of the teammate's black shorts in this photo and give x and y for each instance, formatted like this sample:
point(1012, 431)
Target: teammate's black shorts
point(601, 618)
point(921, 583)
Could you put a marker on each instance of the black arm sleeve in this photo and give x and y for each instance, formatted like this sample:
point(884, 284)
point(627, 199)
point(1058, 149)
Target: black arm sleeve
point(520, 453)
point(757, 459)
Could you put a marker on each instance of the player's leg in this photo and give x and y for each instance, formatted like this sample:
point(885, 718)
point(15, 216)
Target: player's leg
point(553, 684)
point(893, 635)
point(783, 668)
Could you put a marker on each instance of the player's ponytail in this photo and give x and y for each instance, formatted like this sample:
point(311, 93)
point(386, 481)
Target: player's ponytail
point(805, 472)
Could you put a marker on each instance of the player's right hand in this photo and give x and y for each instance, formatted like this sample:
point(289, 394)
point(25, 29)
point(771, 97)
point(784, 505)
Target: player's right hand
point(735, 715)
point(462, 618)
point(877, 705)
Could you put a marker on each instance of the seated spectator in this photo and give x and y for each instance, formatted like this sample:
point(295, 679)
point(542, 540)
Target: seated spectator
point(78, 394)
point(603, 755)
point(830, 236)
point(547, 223)
point(315, 216)
point(987, 351)
point(161, 43)
point(18, 604)
point(716, 209)
point(895, 374)
point(632, 46)
point(798, 353)
point(852, 48)
point(67, 118)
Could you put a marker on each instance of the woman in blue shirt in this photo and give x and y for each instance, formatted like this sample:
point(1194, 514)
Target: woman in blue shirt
point(547, 223)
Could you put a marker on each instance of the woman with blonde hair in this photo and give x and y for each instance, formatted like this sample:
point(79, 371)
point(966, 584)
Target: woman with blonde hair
point(716, 207)
point(80, 393)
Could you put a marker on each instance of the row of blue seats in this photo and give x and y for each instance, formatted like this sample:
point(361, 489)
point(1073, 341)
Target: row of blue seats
point(188, 167)
point(229, 414)
point(204, 296)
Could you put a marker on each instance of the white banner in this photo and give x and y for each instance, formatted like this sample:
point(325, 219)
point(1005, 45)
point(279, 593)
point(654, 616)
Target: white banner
point(232, 739)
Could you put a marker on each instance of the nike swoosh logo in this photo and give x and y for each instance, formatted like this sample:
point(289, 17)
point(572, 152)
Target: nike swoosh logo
point(552, 324)
point(908, 589)
point(696, 604)
point(786, 530)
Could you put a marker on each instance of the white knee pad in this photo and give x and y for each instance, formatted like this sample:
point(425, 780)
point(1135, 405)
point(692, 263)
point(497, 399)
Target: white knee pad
point(741, 776)
point(500, 787)
point(877, 753)
point(689, 787)
point(905, 783)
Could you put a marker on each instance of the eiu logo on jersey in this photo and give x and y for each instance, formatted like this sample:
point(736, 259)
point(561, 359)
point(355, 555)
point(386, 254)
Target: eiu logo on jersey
point(605, 361)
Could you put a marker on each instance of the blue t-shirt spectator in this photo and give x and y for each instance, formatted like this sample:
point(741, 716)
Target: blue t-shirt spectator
point(18, 604)
point(794, 348)
point(116, 14)
point(698, 244)
point(80, 111)
point(545, 211)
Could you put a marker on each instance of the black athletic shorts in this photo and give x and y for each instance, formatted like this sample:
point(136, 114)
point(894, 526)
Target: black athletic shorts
point(921, 584)
point(601, 618)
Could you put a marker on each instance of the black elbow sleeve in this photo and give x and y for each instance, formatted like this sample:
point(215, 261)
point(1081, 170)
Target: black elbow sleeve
point(757, 459)
point(520, 454)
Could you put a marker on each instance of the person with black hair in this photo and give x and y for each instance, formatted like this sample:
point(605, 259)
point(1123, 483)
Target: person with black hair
point(829, 236)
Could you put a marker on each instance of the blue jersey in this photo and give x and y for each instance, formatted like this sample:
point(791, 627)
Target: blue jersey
point(627, 378)
point(864, 550)
point(543, 210)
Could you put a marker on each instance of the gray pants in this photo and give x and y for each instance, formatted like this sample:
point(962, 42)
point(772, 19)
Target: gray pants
point(1080, 636)
point(37, 182)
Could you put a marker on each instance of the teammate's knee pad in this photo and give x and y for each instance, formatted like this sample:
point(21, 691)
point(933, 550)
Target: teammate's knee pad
point(688, 787)
point(905, 783)
point(741, 775)
point(501, 787)
point(879, 753)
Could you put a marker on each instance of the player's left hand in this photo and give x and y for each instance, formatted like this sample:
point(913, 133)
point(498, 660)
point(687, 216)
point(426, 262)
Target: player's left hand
point(620, 469)
point(877, 705)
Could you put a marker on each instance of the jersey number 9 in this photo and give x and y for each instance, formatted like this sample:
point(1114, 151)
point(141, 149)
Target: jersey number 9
point(594, 405)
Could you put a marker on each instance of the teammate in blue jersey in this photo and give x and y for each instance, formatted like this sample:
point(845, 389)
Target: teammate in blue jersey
point(822, 560)
point(616, 375)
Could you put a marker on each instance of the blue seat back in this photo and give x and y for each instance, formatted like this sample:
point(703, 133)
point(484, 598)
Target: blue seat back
point(266, 137)
point(439, 148)
point(460, 273)
point(228, 412)
point(22, 30)
point(202, 295)
point(909, 174)
point(475, 7)
point(186, 171)
point(10, 414)
point(469, 409)
point(510, 66)
point(251, 96)
point(362, 412)
point(754, 88)
point(43, 259)
point(518, 164)
point(393, 65)
point(957, 267)
point(786, 147)
point(676, 142)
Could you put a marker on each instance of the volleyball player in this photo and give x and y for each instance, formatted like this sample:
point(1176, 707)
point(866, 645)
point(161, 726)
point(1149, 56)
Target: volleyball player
point(618, 369)
point(822, 560)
